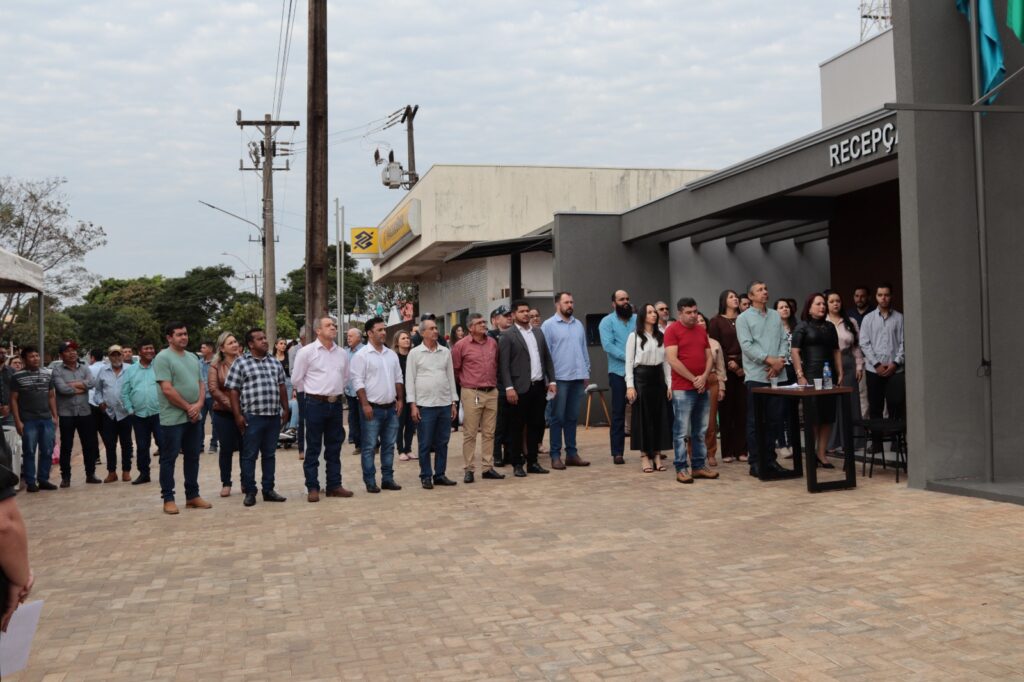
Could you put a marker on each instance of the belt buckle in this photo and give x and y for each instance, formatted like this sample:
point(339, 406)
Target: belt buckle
point(332, 398)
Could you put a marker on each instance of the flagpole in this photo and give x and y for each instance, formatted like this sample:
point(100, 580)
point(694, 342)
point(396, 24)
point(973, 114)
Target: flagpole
point(985, 369)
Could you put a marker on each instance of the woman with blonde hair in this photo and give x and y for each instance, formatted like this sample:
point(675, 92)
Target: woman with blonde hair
point(227, 431)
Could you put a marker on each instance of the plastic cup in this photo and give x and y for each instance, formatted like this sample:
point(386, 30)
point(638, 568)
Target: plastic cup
point(817, 384)
point(775, 381)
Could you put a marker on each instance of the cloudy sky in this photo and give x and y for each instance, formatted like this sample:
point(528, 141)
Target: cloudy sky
point(134, 101)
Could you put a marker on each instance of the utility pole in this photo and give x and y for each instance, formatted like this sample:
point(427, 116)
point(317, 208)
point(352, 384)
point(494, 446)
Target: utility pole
point(267, 126)
point(316, 163)
point(339, 266)
point(407, 117)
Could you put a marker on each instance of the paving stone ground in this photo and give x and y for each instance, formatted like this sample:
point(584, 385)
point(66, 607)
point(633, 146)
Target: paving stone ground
point(582, 574)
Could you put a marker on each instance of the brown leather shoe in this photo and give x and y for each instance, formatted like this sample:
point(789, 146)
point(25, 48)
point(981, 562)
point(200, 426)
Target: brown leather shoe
point(575, 461)
point(126, 475)
point(111, 477)
point(198, 503)
point(557, 464)
point(340, 491)
point(705, 473)
point(683, 477)
point(313, 496)
point(170, 507)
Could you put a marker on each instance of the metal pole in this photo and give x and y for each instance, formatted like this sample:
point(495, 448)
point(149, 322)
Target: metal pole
point(269, 275)
point(341, 271)
point(42, 334)
point(985, 369)
point(337, 258)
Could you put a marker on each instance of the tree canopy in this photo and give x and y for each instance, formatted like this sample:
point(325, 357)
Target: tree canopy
point(356, 281)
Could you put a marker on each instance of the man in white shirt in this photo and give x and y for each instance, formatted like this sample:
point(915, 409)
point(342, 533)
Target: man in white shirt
point(320, 372)
point(377, 380)
point(430, 390)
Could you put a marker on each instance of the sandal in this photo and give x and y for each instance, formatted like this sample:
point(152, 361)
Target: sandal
point(225, 491)
point(404, 457)
point(712, 462)
point(728, 460)
point(743, 458)
point(645, 465)
point(661, 463)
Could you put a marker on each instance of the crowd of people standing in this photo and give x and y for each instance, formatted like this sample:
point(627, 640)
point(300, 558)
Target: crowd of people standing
point(679, 380)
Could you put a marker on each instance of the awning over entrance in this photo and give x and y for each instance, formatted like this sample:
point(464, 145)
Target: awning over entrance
point(786, 193)
point(502, 247)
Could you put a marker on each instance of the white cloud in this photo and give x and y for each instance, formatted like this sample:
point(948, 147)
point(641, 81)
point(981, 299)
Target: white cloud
point(135, 101)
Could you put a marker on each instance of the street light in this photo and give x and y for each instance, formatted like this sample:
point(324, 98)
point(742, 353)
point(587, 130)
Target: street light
point(252, 273)
point(233, 215)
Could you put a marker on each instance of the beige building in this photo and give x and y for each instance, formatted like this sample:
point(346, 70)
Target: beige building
point(466, 234)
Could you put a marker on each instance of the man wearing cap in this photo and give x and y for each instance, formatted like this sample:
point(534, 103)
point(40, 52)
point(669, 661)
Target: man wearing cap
point(117, 426)
point(72, 381)
point(181, 399)
point(501, 319)
point(475, 361)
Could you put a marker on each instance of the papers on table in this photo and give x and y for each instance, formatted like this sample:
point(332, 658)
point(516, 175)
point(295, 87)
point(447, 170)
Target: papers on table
point(16, 643)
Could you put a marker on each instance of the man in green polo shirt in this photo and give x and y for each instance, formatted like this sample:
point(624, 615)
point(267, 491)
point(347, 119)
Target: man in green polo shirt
point(181, 397)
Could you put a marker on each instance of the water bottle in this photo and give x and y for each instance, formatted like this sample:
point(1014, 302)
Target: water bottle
point(826, 376)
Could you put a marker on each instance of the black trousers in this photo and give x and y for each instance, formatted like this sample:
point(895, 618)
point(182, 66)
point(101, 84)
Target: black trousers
point(118, 433)
point(528, 414)
point(87, 436)
point(878, 388)
point(501, 449)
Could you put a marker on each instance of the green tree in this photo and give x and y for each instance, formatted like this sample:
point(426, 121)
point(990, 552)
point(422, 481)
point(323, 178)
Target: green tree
point(102, 325)
point(356, 281)
point(143, 292)
point(245, 316)
point(197, 299)
point(24, 331)
point(36, 223)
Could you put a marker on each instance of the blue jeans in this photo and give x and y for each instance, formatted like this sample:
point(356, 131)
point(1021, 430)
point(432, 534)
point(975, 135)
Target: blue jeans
point(617, 432)
point(38, 434)
point(118, 433)
point(147, 430)
point(230, 439)
point(185, 438)
point(433, 431)
point(773, 416)
point(383, 426)
point(300, 434)
point(324, 428)
point(207, 406)
point(564, 413)
point(293, 413)
point(355, 421)
point(690, 410)
point(259, 437)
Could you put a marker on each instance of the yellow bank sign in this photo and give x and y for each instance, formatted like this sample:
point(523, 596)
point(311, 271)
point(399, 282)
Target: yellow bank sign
point(400, 228)
point(365, 242)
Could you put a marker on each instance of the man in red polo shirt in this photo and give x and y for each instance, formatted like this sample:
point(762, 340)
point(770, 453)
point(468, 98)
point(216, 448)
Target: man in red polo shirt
point(688, 352)
point(475, 360)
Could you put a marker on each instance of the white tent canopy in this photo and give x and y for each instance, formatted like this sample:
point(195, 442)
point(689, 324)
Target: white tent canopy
point(18, 274)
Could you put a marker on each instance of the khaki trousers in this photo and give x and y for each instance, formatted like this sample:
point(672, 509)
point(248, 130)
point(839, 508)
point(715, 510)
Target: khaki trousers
point(479, 414)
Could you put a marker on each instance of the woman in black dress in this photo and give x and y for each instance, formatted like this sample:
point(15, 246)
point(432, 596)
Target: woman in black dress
point(403, 441)
point(647, 389)
point(816, 342)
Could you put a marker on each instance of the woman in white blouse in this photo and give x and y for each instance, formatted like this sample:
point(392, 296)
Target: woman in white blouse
point(648, 378)
point(853, 362)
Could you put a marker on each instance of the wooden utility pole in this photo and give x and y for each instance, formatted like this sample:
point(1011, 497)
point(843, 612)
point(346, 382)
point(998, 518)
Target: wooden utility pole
point(267, 127)
point(316, 164)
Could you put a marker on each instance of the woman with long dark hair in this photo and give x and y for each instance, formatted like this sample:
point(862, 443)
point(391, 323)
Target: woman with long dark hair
point(648, 378)
point(458, 333)
point(402, 344)
point(732, 411)
point(853, 362)
point(815, 342)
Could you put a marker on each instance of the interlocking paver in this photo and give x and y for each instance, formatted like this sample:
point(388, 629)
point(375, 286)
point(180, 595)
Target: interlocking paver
point(584, 574)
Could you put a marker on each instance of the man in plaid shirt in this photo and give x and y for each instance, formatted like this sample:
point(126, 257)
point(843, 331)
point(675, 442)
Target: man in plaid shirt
point(260, 403)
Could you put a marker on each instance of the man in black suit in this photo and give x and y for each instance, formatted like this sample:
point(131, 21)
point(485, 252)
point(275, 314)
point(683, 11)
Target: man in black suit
point(527, 375)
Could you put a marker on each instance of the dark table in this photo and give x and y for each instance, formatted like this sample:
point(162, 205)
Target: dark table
point(805, 395)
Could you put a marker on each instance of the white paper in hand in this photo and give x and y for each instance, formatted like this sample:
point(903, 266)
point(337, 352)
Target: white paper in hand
point(16, 643)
